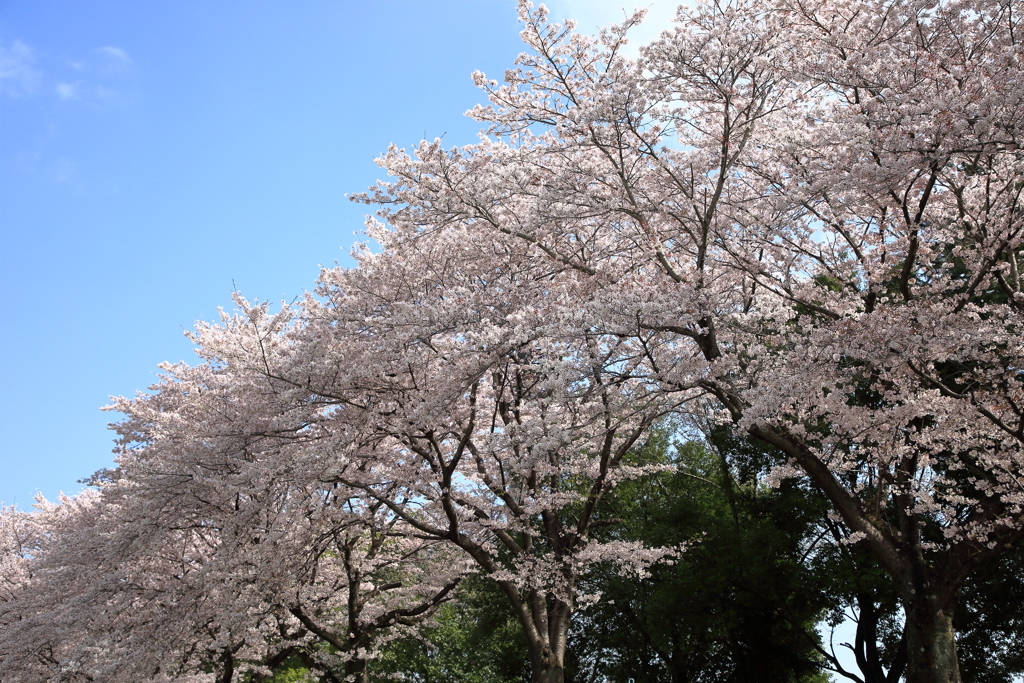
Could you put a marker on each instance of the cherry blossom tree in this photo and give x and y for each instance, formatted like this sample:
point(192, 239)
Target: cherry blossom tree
point(513, 473)
point(429, 393)
point(515, 480)
point(21, 535)
point(244, 454)
point(804, 211)
point(201, 559)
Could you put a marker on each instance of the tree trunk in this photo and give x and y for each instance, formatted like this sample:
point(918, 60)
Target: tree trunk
point(547, 629)
point(545, 622)
point(545, 666)
point(356, 672)
point(228, 672)
point(930, 639)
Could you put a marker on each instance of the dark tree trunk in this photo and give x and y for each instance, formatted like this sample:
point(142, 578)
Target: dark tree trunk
point(545, 623)
point(545, 667)
point(547, 653)
point(356, 671)
point(869, 659)
point(930, 639)
point(228, 672)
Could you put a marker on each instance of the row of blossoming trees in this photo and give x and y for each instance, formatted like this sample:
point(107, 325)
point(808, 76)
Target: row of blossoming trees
point(797, 217)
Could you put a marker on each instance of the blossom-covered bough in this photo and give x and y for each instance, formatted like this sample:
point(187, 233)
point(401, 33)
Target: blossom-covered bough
point(808, 211)
point(204, 557)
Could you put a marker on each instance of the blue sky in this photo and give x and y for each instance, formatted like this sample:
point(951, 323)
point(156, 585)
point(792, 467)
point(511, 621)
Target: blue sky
point(154, 155)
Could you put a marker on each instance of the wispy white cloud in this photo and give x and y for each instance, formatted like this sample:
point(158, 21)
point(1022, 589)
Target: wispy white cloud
point(18, 76)
point(97, 96)
point(107, 76)
point(115, 53)
point(64, 170)
point(113, 62)
point(69, 91)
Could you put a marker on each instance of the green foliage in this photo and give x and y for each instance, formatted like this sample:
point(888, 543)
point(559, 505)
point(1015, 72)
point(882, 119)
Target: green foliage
point(739, 605)
point(476, 640)
point(292, 671)
point(990, 622)
point(854, 582)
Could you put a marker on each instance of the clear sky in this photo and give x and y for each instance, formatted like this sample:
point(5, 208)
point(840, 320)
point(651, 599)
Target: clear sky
point(155, 154)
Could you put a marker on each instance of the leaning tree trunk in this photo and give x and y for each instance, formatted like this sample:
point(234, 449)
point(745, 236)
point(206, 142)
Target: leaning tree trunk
point(928, 593)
